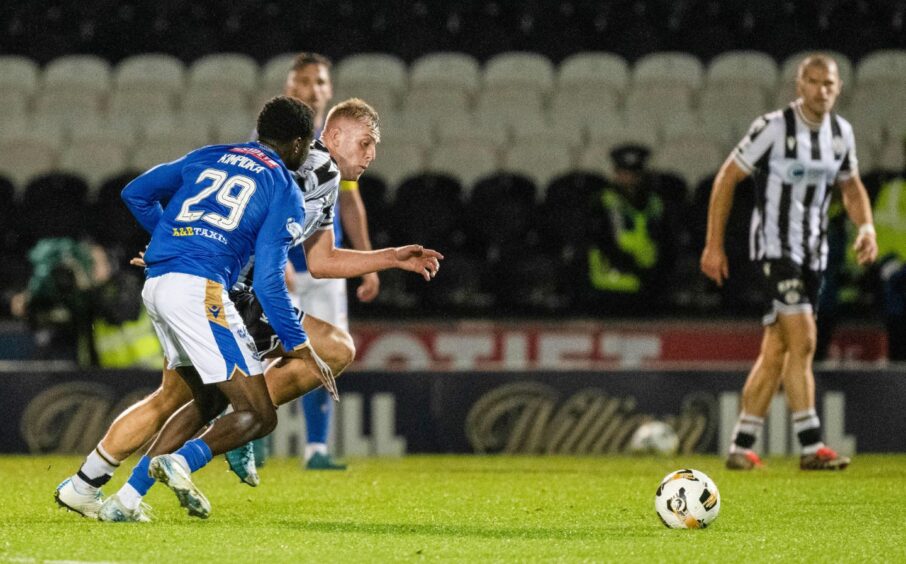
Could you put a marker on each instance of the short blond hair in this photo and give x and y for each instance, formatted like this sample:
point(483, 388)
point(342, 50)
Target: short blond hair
point(358, 110)
point(819, 60)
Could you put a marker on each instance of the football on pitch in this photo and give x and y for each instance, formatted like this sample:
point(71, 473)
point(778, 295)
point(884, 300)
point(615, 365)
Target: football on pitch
point(654, 437)
point(687, 499)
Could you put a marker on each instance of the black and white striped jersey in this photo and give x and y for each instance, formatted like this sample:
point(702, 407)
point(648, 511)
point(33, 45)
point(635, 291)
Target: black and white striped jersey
point(794, 168)
point(319, 180)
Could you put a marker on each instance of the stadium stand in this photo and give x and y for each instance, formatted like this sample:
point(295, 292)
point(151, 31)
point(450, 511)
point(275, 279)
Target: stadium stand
point(453, 102)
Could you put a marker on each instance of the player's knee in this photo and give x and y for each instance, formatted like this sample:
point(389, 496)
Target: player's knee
point(346, 350)
point(337, 349)
point(803, 345)
point(265, 421)
point(772, 356)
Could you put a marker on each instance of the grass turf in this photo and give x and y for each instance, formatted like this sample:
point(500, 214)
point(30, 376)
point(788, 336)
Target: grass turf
point(471, 508)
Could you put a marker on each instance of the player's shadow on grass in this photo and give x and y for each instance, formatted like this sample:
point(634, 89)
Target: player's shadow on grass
point(396, 529)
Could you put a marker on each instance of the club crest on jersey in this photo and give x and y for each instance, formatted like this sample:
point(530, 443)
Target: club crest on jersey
point(838, 146)
point(297, 231)
point(758, 126)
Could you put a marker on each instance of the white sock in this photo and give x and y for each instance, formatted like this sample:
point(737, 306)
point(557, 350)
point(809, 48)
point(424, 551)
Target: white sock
point(312, 449)
point(746, 431)
point(129, 497)
point(97, 464)
point(807, 427)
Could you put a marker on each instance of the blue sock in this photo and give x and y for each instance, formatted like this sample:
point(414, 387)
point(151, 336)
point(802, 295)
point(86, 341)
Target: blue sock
point(140, 480)
point(196, 452)
point(317, 406)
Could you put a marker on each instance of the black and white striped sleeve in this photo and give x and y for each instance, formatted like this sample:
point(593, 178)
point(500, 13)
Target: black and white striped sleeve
point(850, 165)
point(762, 135)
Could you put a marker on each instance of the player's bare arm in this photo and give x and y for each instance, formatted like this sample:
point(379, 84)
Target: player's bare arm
point(327, 261)
point(714, 258)
point(858, 208)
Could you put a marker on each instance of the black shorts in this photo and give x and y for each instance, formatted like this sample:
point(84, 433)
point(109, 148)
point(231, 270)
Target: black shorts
point(266, 340)
point(789, 288)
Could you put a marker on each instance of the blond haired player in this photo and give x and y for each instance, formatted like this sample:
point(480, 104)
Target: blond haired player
point(287, 379)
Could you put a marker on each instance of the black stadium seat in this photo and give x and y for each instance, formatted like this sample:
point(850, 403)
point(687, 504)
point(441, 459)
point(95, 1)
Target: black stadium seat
point(374, 195)
point(112, 224)
point(567, 204)
point(53, 205)
point(500, 211)
point(428, 210)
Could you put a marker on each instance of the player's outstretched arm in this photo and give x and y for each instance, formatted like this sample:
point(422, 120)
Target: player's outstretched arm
point(327, 261)
point(714, 258)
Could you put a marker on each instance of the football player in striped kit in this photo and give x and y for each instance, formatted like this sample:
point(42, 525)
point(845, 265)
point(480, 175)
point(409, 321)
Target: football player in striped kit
point(325, 298)
point(796, 157)
point(287, 380)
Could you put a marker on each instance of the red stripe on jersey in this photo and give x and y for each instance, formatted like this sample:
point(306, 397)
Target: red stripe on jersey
point(257, 153)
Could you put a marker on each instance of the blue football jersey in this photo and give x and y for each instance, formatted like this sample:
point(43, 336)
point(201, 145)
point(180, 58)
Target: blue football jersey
point(226, 202)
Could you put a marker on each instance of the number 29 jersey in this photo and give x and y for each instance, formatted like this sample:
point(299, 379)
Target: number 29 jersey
point(226, 202)
point(221, 199)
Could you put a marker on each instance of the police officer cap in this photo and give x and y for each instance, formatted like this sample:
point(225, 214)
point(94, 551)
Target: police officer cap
point(630, 157)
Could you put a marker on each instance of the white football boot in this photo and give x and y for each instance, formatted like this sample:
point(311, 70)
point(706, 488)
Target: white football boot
point(86, 505)
point(113, 511)
point(167, 470)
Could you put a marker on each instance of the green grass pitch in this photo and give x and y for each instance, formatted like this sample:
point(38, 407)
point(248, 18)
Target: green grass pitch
point(470, 508)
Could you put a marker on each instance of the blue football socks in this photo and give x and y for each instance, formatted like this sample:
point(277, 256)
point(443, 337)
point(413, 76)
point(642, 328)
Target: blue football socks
point(317, 407)
point(139, 479)
point(196, 453)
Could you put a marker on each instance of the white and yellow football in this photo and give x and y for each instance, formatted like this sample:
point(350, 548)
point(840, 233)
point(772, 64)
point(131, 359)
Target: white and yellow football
point(687, 499)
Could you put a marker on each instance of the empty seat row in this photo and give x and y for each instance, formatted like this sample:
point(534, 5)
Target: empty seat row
point(465, 153)
point(598, 70)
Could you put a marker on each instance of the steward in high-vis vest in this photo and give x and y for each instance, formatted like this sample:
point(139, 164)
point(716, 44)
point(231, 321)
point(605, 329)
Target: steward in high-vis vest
point(626, 253)
point(81, 308)
point(890, 223)
point(123, 334)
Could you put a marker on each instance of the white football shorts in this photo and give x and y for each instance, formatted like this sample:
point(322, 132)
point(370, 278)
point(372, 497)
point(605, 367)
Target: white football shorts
point(198, 325)
point(324, 298)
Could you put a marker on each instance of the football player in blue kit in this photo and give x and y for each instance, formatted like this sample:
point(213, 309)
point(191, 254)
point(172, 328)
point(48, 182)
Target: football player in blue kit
point(225, 202)
point(289, 378)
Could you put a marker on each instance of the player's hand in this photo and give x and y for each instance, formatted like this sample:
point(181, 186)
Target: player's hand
point(866, 247)
point(139, 260)
point(714, 264)
point(317, 366)
point(419, 260)
point(369, 288)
